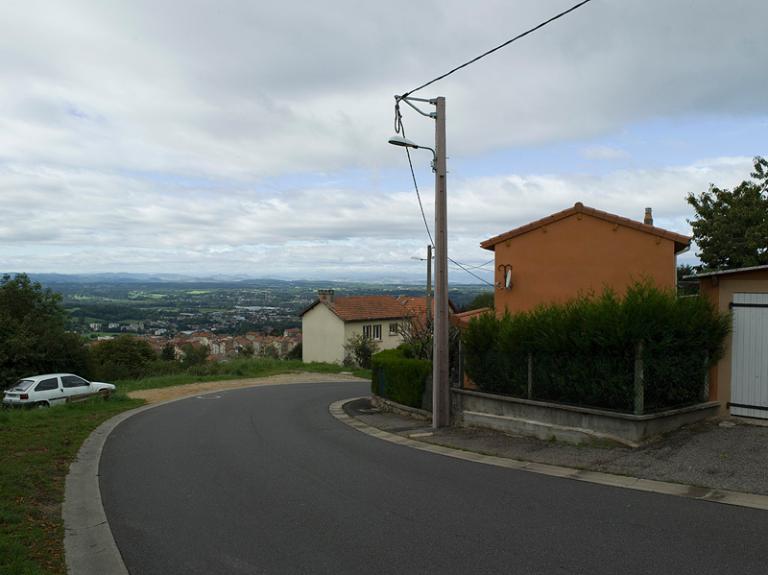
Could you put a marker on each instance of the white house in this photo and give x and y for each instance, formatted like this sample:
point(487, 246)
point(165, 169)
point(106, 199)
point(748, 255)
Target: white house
point(330, 321)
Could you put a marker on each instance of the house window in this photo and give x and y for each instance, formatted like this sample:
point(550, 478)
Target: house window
point(372, 331)
point(394, 328)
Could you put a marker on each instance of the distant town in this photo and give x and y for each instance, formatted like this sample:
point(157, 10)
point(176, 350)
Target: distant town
point(232, 318)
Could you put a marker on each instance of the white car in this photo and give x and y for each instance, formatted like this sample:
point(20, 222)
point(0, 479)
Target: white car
point(52, 389)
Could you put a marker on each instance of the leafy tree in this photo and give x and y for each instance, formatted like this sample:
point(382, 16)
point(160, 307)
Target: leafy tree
point(295, 353)
point(358, 350)
point(168, 353)
point(684, 286)
point(481, 300)
point(194, 354)
point(731, 227)
point(124, 357)
point(33, 336)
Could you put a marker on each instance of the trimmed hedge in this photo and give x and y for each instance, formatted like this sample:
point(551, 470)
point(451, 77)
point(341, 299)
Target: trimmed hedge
point(583, 352)
point(399, 378)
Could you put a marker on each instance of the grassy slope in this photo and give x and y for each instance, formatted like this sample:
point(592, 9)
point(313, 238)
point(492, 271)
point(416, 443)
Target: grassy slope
point(37, 446)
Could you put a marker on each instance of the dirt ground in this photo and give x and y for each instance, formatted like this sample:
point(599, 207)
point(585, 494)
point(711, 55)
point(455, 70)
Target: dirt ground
point(179, 391)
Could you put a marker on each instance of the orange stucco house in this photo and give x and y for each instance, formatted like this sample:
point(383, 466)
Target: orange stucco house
point(580, 250)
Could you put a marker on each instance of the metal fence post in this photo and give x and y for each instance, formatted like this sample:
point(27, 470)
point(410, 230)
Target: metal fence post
point(530, 375)
point(639, 380)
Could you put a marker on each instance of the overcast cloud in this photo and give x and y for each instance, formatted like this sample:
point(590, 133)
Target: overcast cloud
point(250, 137)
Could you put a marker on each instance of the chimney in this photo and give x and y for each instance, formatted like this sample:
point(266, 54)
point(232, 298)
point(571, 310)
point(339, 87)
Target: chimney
point(648, 220)
point(325, 295)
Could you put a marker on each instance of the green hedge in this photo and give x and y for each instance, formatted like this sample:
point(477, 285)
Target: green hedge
point(400, 378)
point(583, 352)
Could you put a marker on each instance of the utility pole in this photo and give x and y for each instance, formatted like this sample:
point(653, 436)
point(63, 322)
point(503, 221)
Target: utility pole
point(429, 285)
point(441, 393)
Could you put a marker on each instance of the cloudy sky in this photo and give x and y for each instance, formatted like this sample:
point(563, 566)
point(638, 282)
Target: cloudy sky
point(250, 137)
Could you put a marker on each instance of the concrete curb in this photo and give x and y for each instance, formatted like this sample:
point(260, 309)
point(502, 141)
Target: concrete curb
point(692, 492)
point(89, 547)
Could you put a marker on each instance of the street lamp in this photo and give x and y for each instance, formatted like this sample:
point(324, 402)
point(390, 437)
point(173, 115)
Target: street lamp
point(441, 394)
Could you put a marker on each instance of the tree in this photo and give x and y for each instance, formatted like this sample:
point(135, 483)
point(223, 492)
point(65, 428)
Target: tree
point(684, 286)
point(295, 353)
point(731, 227)
point(358, 350)
point(33, 336)
point(481, 300)
point(168, 353)
point(124, 357)
point(194, 354)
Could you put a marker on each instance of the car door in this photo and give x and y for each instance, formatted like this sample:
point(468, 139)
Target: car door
point(75, 387)
point(49, 390)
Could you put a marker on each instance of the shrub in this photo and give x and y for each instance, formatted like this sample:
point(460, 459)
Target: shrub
point(583, 351)
point(194, 354)
point(400, 378)
point(358, 351)
point(124, 357)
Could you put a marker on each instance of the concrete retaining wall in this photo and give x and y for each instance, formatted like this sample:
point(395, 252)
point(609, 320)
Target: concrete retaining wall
point(569, 423)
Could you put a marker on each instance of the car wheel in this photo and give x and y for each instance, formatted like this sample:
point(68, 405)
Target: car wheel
point(104, 394)
point(42, 404)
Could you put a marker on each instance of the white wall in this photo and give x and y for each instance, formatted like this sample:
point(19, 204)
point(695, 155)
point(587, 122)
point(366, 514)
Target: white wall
point(322, 336)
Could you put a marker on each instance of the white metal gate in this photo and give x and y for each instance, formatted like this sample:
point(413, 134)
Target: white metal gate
point(749, 355)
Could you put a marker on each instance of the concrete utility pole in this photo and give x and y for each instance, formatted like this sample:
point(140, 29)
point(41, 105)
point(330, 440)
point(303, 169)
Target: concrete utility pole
point(441, 393)
point(429, 285)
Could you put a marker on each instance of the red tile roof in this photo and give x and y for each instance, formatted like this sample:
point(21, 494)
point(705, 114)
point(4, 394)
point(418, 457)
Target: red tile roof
point(681, 242)
point(356, 308)
point(370, 307)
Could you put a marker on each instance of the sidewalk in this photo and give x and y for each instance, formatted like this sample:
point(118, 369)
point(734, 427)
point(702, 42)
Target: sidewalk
point(730, 455)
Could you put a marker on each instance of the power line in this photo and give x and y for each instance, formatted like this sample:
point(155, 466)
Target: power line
point(418, 196)
point(481, 266)
point(499, 47)
point(401, 128)
point(469, 272)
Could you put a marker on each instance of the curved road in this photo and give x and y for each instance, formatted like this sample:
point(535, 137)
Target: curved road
point(265, 480)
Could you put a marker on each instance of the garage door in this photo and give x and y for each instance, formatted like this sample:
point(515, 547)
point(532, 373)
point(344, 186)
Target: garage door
point(749, 360)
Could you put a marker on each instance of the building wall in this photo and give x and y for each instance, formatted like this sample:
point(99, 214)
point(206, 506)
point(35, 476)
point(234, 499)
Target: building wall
point(387, 341)
point(579, 254)
point(322, 336)
point(719, 290)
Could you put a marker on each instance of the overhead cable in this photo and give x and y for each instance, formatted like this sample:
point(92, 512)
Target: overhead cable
point(499, 47)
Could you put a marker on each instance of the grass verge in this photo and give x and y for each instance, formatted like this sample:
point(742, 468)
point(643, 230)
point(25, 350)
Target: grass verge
point(235, 369)
point(36, 448)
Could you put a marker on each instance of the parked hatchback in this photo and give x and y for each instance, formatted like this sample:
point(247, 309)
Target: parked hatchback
point(52, 389)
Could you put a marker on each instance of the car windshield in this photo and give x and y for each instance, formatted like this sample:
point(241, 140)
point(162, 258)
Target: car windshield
point(22, 385)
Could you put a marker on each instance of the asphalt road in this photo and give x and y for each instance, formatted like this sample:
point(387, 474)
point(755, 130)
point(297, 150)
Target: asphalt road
point(265, 480)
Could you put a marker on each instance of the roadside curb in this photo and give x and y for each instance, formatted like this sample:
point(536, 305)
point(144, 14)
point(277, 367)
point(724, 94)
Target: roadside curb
point(89, 547)
point(737, 498)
